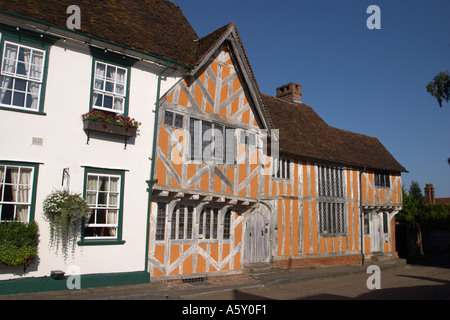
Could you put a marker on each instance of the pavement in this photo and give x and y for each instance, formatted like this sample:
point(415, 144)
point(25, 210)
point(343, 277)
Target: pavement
point(252, 278)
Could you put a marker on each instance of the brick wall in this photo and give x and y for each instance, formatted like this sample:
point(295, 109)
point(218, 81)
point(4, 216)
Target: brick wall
point(344, 260)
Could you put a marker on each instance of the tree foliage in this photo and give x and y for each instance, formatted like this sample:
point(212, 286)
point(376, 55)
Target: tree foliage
point(428, 216)
point(440, 87)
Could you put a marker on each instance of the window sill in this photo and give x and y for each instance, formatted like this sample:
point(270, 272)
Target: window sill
point(38, 113)
point(102, 242)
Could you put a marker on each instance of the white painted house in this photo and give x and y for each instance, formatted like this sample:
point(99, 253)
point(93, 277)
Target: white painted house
point(50, 77)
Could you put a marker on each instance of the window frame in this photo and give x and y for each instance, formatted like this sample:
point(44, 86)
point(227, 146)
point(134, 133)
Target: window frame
point(331, 203)
point(32, 196)
point(173, 121)
point(281, 169)
point(117, 240)
point(33, 42)
point(220, 227)
point(209, 221)
point(180, 227)
point(112, 61)
point(382, 179)
point(198, 144)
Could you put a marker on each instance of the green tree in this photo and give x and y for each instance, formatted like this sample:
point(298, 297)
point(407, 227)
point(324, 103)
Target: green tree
point(440, 87)
point(414, 208)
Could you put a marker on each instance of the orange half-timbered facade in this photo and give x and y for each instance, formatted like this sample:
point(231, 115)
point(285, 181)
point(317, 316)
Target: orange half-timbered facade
point(222, 200)
point(208, 167)
point(336, 199)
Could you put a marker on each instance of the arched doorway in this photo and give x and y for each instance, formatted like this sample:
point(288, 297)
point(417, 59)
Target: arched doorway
point(257, 238)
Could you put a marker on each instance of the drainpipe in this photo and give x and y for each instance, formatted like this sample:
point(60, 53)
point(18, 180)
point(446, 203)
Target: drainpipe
point(152, 181)
point(361, 215)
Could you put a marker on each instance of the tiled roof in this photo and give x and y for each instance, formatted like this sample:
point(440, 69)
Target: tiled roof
point(157, 27)
point(303, 133)
point(443, 201)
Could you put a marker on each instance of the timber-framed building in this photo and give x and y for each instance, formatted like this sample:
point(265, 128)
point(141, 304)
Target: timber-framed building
point(217, 178)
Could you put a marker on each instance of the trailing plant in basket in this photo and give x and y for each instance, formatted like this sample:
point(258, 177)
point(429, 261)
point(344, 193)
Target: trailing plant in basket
point(64, 211)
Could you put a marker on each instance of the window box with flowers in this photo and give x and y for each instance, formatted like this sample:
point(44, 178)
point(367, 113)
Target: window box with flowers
point(110, 123)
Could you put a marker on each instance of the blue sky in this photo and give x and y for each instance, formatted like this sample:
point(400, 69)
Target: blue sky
point(371, 82)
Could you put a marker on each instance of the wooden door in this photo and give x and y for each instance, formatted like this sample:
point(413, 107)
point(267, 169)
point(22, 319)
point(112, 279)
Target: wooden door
point(256, 239)
point(376, 232)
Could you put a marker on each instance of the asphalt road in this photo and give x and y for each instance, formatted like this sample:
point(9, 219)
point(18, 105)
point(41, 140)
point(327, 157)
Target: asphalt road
point(427, 281)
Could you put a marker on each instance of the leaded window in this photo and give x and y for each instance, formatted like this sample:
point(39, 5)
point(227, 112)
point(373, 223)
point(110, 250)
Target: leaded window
point(332, 218)
point(211, 142)
point(382, 180)
point(182, 223)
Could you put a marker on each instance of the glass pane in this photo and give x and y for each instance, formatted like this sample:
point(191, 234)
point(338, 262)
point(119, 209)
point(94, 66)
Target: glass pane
point(112, 217)
point(19, 99)
point(108, 102)
point(113, 199)
point(92, 217)
point(22, 213)
point(32, 99)
point(118, 104)
point(37, 65)
point(109, 86)
point(6, 96)
point(111, 73)
point(9, 58)
point(21, 69)
point(7, 213)
point(102, 199)
point(100, 71)
point(121, 74)
point(98, 84)
point(91, 198)
point(178, 121)
point(101, 216)
point(114, 184)
point(120, 89)
point(168, 118)
point(20, 85)
point(98, 99)
point(92, 183)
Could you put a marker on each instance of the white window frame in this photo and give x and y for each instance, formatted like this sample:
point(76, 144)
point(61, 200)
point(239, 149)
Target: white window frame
point(18, 186)
point(113, 94)
point(106, 208)
point(27, 78)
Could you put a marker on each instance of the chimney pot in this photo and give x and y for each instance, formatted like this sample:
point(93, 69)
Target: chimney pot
point(291, 92)
point(429, 194)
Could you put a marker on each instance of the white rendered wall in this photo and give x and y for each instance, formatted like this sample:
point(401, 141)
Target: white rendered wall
point(68, 92)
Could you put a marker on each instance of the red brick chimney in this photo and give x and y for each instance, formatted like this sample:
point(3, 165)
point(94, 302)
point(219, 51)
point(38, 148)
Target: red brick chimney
point(291, 92)
point(429, 194)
